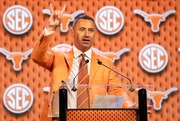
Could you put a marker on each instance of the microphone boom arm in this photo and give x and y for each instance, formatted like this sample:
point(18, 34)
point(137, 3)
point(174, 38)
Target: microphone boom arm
point(74, 87)
point(131, 88)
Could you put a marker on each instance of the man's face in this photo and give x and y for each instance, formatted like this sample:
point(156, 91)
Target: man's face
point(83, 34)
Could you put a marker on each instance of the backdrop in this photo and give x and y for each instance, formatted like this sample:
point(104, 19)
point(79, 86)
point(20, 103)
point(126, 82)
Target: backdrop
point(136, 33)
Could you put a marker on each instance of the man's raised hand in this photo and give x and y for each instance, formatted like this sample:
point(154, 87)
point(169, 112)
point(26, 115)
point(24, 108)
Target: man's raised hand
point(55, 17)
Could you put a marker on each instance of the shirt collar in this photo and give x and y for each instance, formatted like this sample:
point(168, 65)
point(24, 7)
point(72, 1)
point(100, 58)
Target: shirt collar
point(77, 52)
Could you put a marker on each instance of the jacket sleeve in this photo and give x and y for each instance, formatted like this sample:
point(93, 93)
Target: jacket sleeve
point(41, 53)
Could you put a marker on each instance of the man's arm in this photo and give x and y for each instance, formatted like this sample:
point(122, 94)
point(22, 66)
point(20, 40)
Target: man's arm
point(41, 53)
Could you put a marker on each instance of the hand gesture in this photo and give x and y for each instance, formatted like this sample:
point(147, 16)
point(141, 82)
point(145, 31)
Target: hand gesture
point(55, 17)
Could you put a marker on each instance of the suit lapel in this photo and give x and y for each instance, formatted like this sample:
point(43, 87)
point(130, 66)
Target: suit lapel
point(94, 66)
point(69, 57)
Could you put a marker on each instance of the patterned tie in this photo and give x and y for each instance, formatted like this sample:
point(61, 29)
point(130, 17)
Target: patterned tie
point(83, 91)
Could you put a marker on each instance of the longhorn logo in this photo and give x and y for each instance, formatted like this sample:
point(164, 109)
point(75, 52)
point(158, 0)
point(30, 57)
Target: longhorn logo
point(158, 96)
point(113, 55)
point(66, 18)
point(16, 57)
point(154, 19)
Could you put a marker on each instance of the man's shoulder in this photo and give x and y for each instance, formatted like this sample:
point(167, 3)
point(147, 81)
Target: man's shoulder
point(61, 48)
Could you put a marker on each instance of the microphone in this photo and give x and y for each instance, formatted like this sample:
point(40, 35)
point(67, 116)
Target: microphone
point(74, 87)
point(131, 88)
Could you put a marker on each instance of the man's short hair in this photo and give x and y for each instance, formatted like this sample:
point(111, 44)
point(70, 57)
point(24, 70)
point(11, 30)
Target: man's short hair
point(82, 16)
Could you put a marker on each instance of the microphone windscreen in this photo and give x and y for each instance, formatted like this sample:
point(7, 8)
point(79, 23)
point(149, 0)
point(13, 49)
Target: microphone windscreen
point(99, 62)
point(87, 61)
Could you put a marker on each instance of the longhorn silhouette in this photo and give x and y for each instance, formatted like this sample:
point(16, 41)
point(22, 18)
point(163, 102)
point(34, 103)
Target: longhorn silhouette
point(113, 55)
point(154, 19)
point(158, 96)
point(16, 57)
point(66, 18)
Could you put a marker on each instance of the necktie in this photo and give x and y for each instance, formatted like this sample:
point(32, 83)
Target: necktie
point(83, 91)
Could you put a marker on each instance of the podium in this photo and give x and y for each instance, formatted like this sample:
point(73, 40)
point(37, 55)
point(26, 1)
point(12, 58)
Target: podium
point(108, 103)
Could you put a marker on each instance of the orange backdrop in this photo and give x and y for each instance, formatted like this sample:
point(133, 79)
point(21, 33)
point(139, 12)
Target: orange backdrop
point(135, 34)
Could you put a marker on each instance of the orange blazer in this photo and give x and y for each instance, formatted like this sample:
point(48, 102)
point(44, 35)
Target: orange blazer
point(59, 63)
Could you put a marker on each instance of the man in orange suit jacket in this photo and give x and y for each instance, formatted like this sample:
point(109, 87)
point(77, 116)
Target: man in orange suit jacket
point(63, 64)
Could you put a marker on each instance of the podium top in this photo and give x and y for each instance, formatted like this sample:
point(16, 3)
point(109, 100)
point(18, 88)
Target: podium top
point(109, 96)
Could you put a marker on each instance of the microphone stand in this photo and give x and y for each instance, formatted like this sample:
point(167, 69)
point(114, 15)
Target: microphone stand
point(142, 96)
point(131, 89)
point(74, 87)
point(63, 102)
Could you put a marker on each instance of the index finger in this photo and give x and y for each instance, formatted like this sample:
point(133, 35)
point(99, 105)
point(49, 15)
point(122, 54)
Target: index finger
point(63, 9)
point(51, 8)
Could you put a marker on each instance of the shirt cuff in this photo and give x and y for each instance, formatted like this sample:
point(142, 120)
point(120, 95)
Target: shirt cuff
point(47, 32)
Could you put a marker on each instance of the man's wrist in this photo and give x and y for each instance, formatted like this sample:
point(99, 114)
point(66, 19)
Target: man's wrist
point(51, 28)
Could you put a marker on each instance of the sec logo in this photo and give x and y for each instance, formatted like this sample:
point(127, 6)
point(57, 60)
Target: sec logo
point(153, 58)
point(18, 98)
point(109, 20)
point(17, 19)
